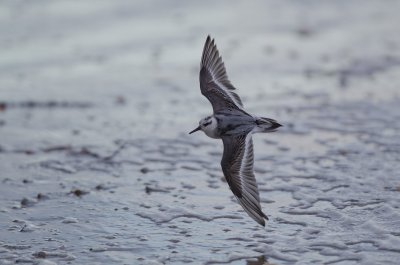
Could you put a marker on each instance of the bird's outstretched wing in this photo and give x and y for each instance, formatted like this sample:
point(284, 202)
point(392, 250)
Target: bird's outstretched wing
point(214, 82)
point(237, 165)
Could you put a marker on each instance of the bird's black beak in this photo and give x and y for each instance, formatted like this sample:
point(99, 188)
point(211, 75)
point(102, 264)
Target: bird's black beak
point(195, 130)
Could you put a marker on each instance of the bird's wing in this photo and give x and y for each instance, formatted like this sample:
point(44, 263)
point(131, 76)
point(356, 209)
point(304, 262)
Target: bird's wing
point(214, 82)
point(237, 165)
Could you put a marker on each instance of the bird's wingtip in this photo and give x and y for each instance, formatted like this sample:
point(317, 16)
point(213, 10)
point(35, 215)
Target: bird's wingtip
point(210, 40)
point(264, 216)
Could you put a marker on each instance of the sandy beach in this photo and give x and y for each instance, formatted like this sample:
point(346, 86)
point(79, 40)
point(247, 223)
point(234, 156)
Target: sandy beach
point(97, 99)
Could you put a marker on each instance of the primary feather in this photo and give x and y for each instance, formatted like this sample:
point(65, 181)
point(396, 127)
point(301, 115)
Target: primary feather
point(214, 82)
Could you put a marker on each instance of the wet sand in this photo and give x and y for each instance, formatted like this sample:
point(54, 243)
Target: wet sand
point(96, 101)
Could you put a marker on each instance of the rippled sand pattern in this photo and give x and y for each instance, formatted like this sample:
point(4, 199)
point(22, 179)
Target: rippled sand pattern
point(96, 101)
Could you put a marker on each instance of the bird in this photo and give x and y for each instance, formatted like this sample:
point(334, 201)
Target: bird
point(235, 126)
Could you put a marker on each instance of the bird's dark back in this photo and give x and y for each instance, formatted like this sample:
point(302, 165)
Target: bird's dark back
point(233, 122)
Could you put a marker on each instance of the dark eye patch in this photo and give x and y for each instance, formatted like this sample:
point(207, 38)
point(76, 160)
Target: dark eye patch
point(206, 124)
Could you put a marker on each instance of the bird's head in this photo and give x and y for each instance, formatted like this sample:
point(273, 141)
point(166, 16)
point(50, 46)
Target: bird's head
point(205, 124)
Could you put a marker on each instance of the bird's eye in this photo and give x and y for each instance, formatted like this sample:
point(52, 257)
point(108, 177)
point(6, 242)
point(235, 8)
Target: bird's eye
point(206, 124)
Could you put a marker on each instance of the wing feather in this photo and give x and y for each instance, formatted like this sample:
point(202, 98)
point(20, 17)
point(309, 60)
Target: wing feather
point(237, 165)
point(214, 82)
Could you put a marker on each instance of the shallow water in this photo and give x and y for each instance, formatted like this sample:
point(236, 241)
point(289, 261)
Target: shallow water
point(96, 102)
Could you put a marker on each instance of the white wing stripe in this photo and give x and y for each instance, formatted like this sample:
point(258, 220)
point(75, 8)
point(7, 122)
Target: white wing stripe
point(245, 153)
point(249, 187)
point(228, 93)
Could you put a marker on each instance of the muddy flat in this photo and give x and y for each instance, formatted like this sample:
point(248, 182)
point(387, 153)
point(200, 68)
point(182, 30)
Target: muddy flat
point(97, 99)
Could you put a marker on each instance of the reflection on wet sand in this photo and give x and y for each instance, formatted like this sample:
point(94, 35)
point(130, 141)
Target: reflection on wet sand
point(96, 102)
point(261, 260)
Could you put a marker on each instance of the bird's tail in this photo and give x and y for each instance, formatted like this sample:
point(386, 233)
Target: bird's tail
point(266, 125)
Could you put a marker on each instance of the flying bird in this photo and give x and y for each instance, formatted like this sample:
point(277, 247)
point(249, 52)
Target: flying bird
point(235, 126)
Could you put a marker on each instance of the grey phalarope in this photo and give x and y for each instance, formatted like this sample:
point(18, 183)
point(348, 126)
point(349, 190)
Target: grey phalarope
point(231, 123)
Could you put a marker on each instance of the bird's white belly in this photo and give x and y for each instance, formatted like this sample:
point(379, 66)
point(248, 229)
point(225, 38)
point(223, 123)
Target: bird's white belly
point(212, 133)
